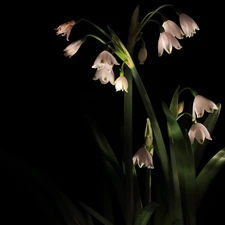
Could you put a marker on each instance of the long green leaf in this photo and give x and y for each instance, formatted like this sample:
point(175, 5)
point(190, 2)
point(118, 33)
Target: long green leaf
point(110, 161)
point(145, 214)
point(95, 214)
point(208, 173)
point(180, 144)
point(159, 142)
point(210, 124)
point(174, 102)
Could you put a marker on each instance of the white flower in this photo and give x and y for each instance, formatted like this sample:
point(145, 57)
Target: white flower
point(200, 104)
point(104, 76)
point(65, 29)
point(172, 28)
point(71, 49)
point(142, 55)
point(188, 25)
point(143, 158)
point(167, 41)
point(121, 84)
point(105, 60)
point(199, 132)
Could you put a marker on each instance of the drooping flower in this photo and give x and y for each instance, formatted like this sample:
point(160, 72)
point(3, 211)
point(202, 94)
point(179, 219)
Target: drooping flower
point(65, 29)
point(121, 84)
point(105, 60)
point(71, 49)
point(199, 132)
point(167, 41)
point(143, 158)
point(188, 25)
point(172, 28)
point(201, 104)
point(104, 76)
point(142, 55)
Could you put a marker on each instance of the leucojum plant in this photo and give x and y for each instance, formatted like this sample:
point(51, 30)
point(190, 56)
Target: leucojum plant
point(180, 188)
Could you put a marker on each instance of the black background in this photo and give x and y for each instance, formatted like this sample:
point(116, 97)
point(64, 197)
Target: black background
point(44, 95)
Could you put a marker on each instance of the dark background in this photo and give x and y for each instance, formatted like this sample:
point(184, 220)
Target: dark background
point(44, 95)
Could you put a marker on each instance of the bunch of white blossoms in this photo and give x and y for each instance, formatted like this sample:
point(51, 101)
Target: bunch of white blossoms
point(170, 34)
point(144, 156)
point(198, 131)
point(104, 64)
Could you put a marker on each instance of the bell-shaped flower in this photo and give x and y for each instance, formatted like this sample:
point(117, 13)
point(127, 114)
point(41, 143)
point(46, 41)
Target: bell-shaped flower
point(143, 158)
point(105, 60)
point(71, 49)
point(199, 132)
point(172, 28)
point(65, 29)
point(188, 25)
point(166, 42)
point(104, 76)
point(201, 104)
point(121, 84)
point(142, 55)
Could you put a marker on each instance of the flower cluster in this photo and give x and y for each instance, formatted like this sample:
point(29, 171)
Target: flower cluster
point(169, 35)
point(168, 38)
point(144, 156)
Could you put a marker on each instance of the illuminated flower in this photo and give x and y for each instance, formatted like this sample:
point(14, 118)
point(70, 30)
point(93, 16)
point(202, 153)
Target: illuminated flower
point(200, 104)
point(105, 60)
point(142, 55)
point(71, 49)
point(104, 76)
point(121, 84)
point(199, 132)
point(65, 29)
point(167, 41)
point(188, 25)
point(143, 158)
point(172, 28)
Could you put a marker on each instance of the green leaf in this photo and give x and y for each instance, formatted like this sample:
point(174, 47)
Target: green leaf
point(95, 214)
point(158, 138)
point(174, 102)
point(208, 173)
point(209, 123)
point(110, 161)
point(182, 157)
point(145, 214)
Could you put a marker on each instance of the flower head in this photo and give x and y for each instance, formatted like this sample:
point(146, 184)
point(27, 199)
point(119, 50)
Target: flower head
point(188, 25)
point(172, 28)
point(167, 41)
point(104, 76)
point(143, 158)
point(105, 60)
point(71, 49)
point(202, 104)
point(142, 55)
point(121, 84)
point(199, 132)
point(65, 29)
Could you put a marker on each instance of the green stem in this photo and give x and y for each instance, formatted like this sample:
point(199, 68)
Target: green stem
point(128, 148)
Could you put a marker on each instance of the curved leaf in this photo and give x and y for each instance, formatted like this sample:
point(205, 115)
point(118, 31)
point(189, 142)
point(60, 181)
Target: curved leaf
point(110, 161)
point(208, 173)
point(95, 214)
point(145, 214)
point(183, 164)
